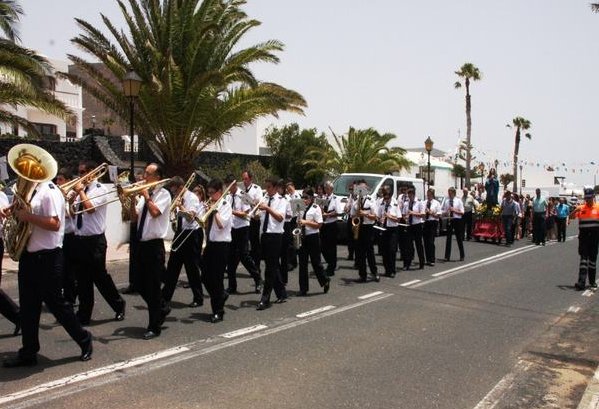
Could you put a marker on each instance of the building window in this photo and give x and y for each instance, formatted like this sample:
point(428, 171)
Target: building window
point(45, 129)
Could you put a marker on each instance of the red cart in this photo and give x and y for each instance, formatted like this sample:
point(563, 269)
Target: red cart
point(488, 228)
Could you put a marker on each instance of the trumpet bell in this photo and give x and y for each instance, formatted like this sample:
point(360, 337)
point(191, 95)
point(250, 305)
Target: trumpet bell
point(32, 163)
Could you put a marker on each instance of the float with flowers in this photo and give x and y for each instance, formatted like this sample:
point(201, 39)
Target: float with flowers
point(487, 223)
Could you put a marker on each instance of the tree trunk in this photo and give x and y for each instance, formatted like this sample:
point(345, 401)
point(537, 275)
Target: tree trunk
point(468, 132)
point(516, 149)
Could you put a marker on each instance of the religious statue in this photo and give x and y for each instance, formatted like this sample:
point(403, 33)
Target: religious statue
point(492, 188)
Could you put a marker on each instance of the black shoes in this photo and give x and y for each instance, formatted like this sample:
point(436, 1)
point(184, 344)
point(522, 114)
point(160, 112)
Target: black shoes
point(128, 290)
point(216, 318)
point(87, 349)
point(165, 312)
point(196, 303)
point(362, 279)
point(120, 316)
point(19, 361)
point(376, 278)
point(593, 286)
point(327, 285)
point(262, 306)
point(149, 334)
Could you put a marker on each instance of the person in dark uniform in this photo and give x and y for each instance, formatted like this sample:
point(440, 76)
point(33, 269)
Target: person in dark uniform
point(255, 194)
point(310, 224)
point(388, 219)
point(152, 217)
point(454, 209)
point(8, 308)
point(413, 212)
point(186, 245)
point(348, 224)
point(431, 225)
point(40, 275)
point(588, 239)
point(240, 226)
point(328, 230)
point(69, 248)
point(90, 248)
point(365, 209)
point(272, 221)
point(218, 242)
point(130, 289)
point(288, 226)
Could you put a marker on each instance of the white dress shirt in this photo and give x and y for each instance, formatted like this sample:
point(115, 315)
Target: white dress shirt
point(457, 204)
point(391, 208)
point(333, 206)
point(222, 234)
point(254, 191)
point(435, 209)
point(279, 205)
point(238, 206)
point(418, 207)
point(191, 202)
point(48, 201)
point(314, 214)
point(368, 205)
point(93, 223)
point(155, 227)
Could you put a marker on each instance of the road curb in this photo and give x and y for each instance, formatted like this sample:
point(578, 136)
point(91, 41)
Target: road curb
point(590, 398)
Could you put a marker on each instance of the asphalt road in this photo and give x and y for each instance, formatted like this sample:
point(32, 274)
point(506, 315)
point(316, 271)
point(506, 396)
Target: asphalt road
point(444, 341)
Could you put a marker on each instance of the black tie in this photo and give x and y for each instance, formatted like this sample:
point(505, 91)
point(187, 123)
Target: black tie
point(210, 221)
point(179, 222)
point(266, 217)
point(233, 202)
point(304, 226)
point(142, 220)
point(411, 218)
point(80, 210)
point(451, 205)
point(385, 215)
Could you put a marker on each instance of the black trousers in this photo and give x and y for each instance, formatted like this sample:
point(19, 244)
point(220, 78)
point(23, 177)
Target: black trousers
point(310, 249)
point(328, 246)
point(365, 250)
point(404, 242)
point(455, 227)
point(588, 244)
point(508, 228)
point(69, 283)
point(90, 269)
point(188, 255)
point(351, 244)
point(415, 232)
point(40, 280)
point(215, 262)
point(271, 248)
point(389, 248)
point(255, 245)
point(467, 217)
point(239, 252)
point(132, 257)
point(428, 234)
point(8, 308)
point(284, 260)
point(538, 228)
point(150, 269)
point(561, 228)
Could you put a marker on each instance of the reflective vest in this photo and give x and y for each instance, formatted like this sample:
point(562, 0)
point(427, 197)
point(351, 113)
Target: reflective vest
point(588, 216)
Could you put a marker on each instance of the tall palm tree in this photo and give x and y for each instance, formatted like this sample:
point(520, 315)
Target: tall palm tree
point(197, 81)
point(468, 72)
point(521, 124)
point(362, 150)
point(23, 75)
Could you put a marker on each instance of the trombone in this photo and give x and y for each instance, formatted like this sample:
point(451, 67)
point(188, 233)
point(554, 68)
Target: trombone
point(85, 180)
point(177, 200)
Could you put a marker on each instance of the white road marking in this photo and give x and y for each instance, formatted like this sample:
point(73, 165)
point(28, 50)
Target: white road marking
point(484, 260)
point(365, 296)
point(316, 311)
point(587, 293)
point(410, 283)
point(573, 309)
point(494, 396)
point(117, 372)
point(243, 331)
point(94, 373)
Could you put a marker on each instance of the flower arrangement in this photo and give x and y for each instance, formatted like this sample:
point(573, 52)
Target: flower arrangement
point(485, 211)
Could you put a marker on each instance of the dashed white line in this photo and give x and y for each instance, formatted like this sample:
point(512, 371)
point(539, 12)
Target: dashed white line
point(316, 311)
point(410, 283)
point(243, 331)
point(573, 309)
point(484, 260)
point(374, 294)
point(495, 395)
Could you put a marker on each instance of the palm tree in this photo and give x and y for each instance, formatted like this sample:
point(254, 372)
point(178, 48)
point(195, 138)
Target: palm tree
point(197, 81)
point(23, 75)
point(595, 7)
point(468, 72)
point(521, 124)
point(362, 150)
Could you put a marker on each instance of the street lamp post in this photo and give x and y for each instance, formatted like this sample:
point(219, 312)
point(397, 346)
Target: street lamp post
point(131, 87)
point(520, 180)
point(428, 145)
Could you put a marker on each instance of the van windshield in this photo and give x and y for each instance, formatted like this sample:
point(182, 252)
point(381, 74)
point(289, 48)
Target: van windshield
point(343, 182)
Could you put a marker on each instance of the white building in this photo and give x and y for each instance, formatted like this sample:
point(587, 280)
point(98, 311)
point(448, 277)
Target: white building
point(441, 172)
point(248, 140)
point(65, 91)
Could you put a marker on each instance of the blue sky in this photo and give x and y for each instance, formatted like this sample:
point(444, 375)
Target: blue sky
point(390, 65)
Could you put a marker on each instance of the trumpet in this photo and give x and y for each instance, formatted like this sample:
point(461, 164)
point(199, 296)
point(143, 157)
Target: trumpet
point(96, 173)
point(252, 212)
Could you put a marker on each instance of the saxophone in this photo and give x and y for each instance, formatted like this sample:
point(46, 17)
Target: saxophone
point(357, 220)
point(33, 165)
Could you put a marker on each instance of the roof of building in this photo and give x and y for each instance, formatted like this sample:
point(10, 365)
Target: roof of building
point(421, 159)
point(437, 153)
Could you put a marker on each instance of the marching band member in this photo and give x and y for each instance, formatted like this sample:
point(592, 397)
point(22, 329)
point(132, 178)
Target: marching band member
point(271, 225)
point(8, 308)
point(255, 193)
point(240, 226)
point(152, 217)
point(328, 230)
point(40, 276)
point(413, 212)
point(69, 249)
point(288, 226)
point(348, 210)
point(187, 243)
point(431, 225)
point(310, 224)
point(365, 208)
point(403, 238)
point(388, 219)
point(216, 255)
point(453, 208)
point(292, 194)
point(90, 248)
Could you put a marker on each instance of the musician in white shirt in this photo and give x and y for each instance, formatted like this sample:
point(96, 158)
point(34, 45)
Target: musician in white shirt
point(216, 255)
point(69, 247)
point(255, 193)
point(272, 221)
point(454, 209)
point(388, 220)
point(291, 195)
point(186, 245)
point(365, 209)
point(152, 217)
point(431, 225)
point(328, 231)
point(413, 213)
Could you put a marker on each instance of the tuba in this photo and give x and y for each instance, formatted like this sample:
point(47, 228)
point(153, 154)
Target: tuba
point(33, 165)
